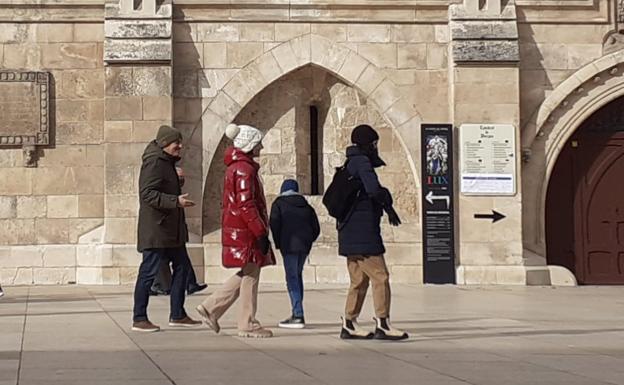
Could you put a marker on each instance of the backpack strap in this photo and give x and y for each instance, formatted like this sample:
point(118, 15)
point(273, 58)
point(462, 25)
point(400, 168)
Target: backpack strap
point(340, 225)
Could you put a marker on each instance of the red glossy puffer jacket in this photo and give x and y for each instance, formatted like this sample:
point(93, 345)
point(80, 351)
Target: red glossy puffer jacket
point(244, 217)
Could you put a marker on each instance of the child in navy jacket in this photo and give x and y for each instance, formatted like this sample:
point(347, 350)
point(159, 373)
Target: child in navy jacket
point(295, 227)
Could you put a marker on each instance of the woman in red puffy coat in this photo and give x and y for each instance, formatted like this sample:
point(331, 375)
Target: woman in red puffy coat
point(244, 234)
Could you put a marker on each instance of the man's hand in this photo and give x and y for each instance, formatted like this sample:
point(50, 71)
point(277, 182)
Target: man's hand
point(181, 175)
point(184, 202)
point(393, 217)
point(264, 244)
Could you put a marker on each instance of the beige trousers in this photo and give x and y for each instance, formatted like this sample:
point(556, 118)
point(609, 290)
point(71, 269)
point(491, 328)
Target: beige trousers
point(245, 284)
point(363, 269)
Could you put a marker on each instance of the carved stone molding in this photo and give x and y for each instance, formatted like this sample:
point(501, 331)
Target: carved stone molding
point(567, 99)
point(614, 42)
point(138, 34)
point(615, 39)
point(484, 32)
point(564, 110)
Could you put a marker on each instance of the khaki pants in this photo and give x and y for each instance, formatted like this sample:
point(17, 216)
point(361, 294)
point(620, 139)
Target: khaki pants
point(245, 284)
point(363, 269)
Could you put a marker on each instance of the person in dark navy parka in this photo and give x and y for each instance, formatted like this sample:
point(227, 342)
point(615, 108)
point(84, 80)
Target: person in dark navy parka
point(295, 227)
point(359, 239)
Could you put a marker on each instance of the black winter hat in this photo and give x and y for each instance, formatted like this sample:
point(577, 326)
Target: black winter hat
point(167, 135)
point(364, 135)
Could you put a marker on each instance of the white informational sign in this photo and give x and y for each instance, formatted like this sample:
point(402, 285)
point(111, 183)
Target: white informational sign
point(487, 159)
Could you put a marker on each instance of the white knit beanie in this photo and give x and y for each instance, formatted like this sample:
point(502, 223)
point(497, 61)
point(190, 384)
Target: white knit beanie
point(244, 137)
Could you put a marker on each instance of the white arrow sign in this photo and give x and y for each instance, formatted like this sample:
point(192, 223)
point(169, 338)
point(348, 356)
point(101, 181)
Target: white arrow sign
point(430, 198)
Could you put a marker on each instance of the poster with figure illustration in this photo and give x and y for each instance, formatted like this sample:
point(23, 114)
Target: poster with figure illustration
point(437, 155)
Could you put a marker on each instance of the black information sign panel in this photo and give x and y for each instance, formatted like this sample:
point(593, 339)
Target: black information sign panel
point(437, 203)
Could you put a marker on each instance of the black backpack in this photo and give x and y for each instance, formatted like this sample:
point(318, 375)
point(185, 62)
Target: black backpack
point(341, 193)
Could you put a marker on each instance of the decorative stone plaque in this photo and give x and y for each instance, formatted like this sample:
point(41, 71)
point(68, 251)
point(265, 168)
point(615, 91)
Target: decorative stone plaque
point(24, 108)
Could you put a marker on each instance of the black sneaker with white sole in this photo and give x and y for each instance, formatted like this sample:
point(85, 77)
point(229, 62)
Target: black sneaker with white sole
point(293, 323)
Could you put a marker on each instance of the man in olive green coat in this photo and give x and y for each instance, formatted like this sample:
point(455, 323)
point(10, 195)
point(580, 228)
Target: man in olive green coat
point(162, 231)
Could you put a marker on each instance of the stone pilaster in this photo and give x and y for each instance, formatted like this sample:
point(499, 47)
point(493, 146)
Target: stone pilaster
point(137, 99)
point(485, 89)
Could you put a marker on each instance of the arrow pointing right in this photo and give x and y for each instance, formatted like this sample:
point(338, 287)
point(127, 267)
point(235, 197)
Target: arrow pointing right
point(495, 216)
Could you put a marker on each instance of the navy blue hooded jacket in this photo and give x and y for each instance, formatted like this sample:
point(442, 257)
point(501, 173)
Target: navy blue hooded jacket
point(360, 233)
point(294, 224)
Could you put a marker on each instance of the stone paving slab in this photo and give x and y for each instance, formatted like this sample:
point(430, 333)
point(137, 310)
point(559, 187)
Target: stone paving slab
point(459, 335)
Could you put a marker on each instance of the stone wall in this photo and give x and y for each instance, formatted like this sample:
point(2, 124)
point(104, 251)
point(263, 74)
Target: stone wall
point(549, 54)
point(393, 64)
point(409, 55)
point(45, 210)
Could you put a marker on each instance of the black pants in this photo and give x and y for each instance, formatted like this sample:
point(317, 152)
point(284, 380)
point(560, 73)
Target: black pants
point(152, 259)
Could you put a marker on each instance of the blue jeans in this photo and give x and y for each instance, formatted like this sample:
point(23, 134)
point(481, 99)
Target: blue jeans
point(147, 272)
point(293, 265)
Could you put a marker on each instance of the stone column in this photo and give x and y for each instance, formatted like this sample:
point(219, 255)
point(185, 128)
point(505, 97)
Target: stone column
point(138, 99)
point(485, 88)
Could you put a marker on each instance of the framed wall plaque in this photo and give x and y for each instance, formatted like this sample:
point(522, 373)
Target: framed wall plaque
point(487, 159)
point(24, 108)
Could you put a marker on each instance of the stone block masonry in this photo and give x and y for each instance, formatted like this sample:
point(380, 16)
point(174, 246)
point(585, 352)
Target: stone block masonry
point(118, 69)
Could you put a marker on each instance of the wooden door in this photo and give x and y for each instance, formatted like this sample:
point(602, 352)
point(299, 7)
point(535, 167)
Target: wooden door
point(599, 209)
point(585, 201)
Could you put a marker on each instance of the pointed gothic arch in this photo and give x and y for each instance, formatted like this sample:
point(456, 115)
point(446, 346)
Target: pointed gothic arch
point(336, 58)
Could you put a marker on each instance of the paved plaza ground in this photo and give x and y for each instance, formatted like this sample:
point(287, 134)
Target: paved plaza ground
point(458, 335)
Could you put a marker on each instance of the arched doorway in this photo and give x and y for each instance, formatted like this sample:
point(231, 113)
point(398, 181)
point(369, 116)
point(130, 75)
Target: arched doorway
point(283, 111)
point(354, 78)
point(585, 200)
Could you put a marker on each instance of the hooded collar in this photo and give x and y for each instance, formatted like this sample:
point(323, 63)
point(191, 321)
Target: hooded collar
point(374, 158)
point(154, 150)
point(294, 199)
point(233, 154)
